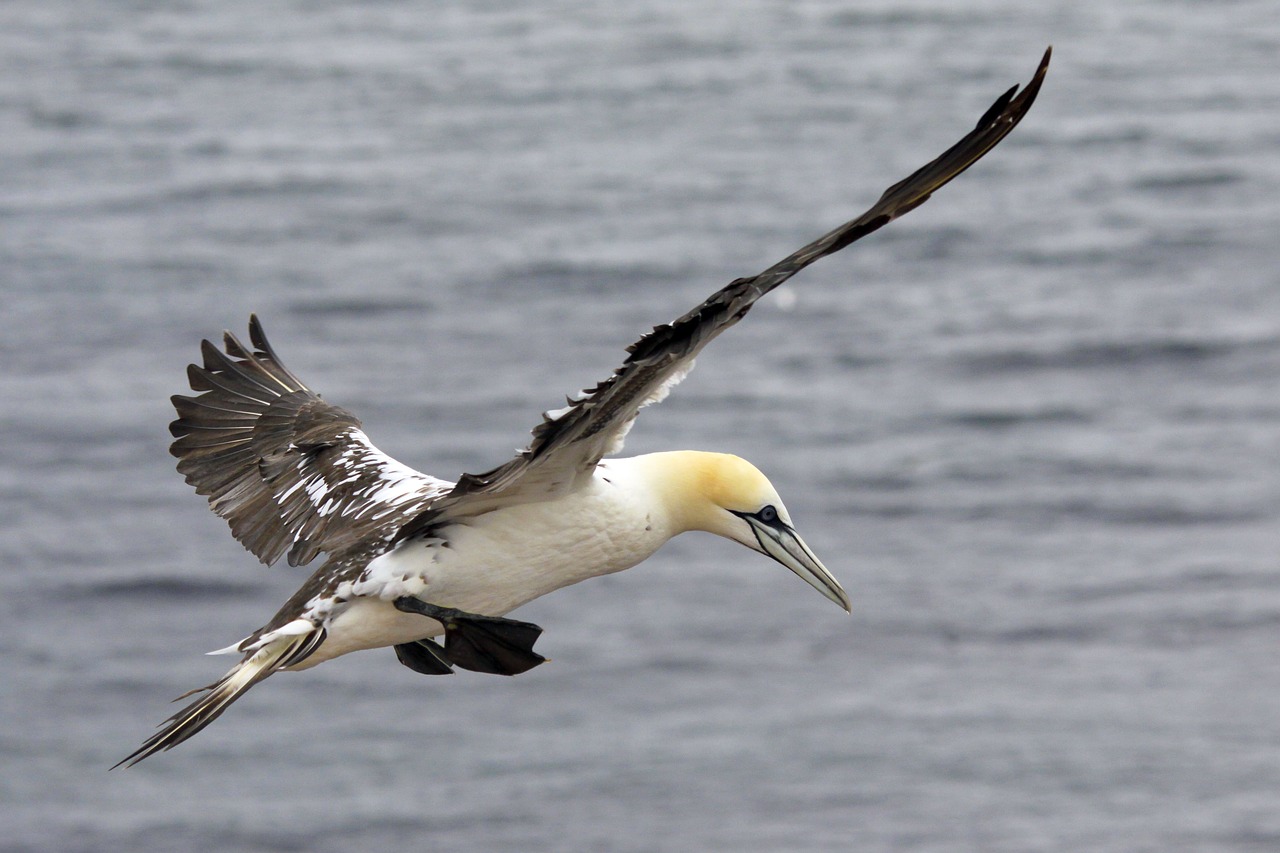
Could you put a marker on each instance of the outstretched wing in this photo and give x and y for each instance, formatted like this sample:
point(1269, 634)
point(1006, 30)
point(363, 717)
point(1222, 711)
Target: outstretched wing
point(567, 444)
point(288, 471)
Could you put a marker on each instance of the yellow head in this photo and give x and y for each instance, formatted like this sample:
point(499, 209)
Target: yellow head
point(728, 496)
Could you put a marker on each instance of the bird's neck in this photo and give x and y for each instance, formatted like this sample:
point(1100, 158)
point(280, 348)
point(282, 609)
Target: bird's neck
point(683, 485)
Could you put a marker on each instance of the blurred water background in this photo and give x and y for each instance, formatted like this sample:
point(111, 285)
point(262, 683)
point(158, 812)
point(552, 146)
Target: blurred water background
point(1033, 427)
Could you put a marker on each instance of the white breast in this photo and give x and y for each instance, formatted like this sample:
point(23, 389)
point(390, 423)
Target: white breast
point(508, 557)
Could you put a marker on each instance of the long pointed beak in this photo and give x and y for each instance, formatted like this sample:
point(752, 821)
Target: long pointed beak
point(782, 543)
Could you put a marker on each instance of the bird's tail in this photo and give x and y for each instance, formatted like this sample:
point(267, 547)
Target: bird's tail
point(275, 655)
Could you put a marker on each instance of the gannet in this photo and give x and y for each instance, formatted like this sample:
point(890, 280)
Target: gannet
point(409, 557)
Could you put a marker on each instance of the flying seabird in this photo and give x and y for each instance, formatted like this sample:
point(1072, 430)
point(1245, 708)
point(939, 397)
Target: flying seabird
point(409, 557)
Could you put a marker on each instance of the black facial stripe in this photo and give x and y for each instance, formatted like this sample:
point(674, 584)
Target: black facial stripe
point(768, 516)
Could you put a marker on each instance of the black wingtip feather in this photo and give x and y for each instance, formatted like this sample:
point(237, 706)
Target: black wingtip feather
point(997, 108)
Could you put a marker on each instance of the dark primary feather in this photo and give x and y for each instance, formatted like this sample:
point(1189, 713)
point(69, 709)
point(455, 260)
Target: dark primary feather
point(288, 471)
point(568, 446)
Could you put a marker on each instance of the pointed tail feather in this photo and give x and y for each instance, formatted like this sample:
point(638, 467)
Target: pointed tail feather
point(276, 655)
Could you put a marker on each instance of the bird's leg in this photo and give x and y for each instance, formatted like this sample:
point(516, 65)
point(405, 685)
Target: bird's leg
point(479, 643)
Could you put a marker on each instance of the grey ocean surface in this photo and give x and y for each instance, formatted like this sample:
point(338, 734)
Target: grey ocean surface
point(1033, 427)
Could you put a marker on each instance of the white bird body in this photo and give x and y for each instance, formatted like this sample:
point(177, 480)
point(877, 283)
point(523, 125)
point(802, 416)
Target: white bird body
point(409, 557)
point(505, 558)
point(508, 557)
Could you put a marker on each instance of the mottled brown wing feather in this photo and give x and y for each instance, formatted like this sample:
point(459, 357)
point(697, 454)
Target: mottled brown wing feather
point(567, 445)
point(288, 471)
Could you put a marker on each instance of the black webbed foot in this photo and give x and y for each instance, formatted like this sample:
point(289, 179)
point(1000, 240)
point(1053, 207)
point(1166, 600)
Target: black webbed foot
point(491, 644)
point(424, 656)
point(494, 645)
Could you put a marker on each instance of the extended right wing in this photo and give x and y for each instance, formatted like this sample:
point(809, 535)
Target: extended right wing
point(567, 444)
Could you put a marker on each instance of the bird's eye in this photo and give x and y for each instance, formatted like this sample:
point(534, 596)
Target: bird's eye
point(768, 515)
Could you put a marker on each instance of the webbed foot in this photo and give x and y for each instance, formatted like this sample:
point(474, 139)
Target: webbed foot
point(491, 644)
point(424, 656)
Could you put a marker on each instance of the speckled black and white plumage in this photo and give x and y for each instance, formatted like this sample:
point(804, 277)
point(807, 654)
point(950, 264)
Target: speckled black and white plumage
point(288, 471)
